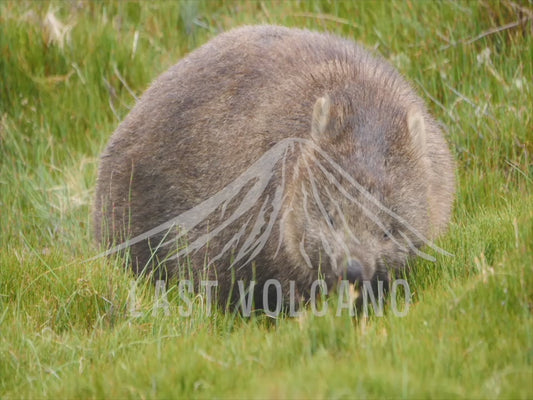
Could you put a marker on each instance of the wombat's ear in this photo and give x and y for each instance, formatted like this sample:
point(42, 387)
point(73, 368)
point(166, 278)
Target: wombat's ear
point(321, 117)
point(417, 130)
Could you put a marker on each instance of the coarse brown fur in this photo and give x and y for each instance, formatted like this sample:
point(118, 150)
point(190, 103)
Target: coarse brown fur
point(213, 114)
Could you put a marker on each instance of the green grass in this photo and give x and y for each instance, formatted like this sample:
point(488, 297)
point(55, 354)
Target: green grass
point(65, 326)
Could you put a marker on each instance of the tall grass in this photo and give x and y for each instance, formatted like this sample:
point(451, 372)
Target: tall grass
point(70, 71)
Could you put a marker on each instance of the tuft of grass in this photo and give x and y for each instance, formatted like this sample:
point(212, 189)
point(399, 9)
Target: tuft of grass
point(70, 71)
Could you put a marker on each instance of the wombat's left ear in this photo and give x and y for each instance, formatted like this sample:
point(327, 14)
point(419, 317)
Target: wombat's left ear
point(321, 117)
point(417, 130)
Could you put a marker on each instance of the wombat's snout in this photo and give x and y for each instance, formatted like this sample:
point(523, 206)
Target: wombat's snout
point(354, 271)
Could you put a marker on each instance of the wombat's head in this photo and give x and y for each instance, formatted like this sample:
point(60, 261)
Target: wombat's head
point(358, 201)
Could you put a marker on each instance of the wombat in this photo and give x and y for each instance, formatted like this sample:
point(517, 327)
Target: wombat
point(275, 153)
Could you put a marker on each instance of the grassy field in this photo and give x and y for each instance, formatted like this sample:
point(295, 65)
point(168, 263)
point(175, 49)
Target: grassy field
point(70, 71)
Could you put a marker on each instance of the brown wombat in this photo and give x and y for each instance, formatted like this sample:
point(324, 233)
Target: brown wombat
point(275, 153)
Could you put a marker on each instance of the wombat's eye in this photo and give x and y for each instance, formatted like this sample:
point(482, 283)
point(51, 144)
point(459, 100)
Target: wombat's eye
point(330, 219)
point(387, 235)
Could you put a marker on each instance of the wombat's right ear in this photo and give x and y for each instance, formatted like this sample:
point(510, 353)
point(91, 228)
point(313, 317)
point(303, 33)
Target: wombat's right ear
point(321, 117)
point(417, 130)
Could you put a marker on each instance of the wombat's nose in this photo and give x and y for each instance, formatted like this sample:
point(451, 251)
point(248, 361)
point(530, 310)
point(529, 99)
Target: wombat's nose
point(354, 271)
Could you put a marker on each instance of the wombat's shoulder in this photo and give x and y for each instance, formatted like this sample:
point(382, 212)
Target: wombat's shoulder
point(275, 49)
point(272, 66)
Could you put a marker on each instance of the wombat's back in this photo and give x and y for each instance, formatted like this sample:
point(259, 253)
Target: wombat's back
point(209, 117)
